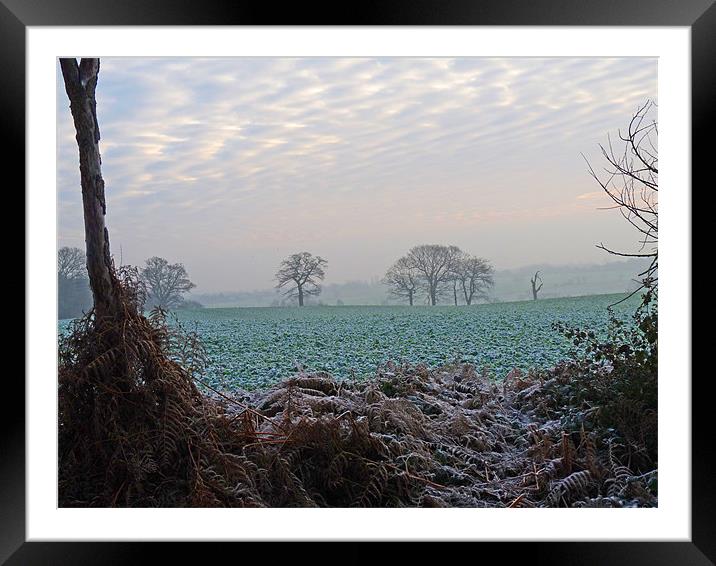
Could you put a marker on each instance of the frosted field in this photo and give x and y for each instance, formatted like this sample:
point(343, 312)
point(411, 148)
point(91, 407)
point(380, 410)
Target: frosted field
point(254, 347)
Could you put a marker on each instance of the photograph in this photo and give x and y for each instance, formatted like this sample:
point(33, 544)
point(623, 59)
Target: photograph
point(338, 281)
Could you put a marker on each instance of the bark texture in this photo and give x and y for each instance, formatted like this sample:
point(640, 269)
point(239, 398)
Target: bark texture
point(80, 84)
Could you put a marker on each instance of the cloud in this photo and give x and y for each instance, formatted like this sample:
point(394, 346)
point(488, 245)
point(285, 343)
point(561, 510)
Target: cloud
point(591, 196)
point(230, 153)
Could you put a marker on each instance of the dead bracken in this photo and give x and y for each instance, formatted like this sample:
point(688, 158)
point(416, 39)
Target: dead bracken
point(136, 430)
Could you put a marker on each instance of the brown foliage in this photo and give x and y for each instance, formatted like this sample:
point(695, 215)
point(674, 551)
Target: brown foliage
point(135, 430)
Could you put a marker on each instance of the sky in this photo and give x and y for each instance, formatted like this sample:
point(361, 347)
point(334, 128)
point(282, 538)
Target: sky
point(228, 165)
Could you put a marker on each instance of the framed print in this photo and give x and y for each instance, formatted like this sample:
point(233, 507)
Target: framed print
point(372, 265)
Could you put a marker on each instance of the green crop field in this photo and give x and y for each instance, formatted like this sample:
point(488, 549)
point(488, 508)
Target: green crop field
point(255, 347)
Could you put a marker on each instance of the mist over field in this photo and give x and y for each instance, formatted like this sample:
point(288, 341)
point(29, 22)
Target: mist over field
point(510, 285)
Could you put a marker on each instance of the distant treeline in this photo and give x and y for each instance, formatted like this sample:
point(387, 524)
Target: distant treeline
point(510, 285)
point(159, 284)
point(73, 296)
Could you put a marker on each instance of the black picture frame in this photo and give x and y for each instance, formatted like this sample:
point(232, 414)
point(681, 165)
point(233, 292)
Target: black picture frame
point(16, 15)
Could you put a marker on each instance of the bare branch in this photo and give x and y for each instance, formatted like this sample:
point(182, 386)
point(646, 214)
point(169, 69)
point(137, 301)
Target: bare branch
point(631, 182)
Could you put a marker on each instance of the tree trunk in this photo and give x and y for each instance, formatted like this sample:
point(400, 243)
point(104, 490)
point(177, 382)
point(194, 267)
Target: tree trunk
point(410, 297)
point(300, 296)
point(454, 292)
point(535, 288)
point(80, 84)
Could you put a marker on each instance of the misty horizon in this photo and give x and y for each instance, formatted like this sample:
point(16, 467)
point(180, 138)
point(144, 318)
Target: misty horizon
point(229, 165)
point(375, 279)
point(567, 280)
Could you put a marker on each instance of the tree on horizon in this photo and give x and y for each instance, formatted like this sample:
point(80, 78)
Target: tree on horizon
point(303, 272)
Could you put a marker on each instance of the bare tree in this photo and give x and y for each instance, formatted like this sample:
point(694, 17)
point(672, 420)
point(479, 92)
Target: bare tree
point(434, 263)
point(456, 275)
point(403, 279)
point(455, 285)
point(474, 275)
point(71, 263)
point(631, 180)
point(80, 83)
point(536, 288)
point(165, 282)
point(303, 272)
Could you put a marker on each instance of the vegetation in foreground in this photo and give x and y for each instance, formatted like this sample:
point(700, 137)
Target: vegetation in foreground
point(582, 434)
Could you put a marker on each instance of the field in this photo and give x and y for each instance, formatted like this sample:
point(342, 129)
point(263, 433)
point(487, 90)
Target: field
point(255, 347)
